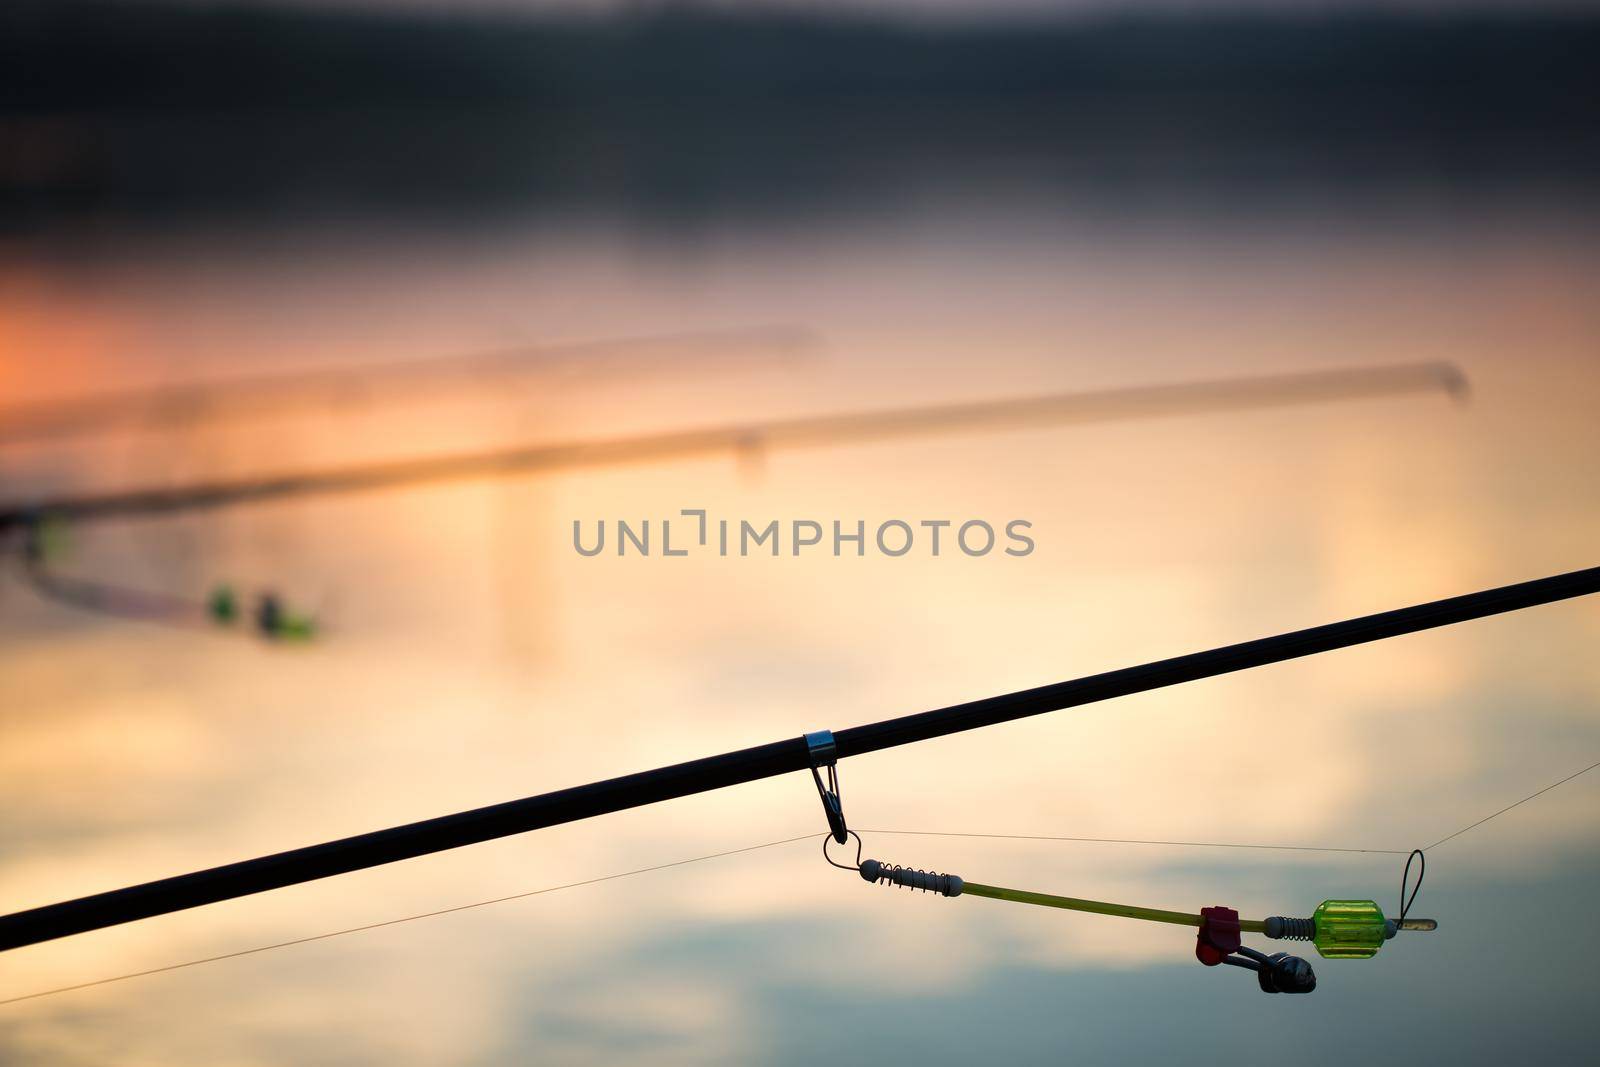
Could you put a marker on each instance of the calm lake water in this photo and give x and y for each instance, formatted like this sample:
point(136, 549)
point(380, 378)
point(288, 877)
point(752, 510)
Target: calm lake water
point(470, 655)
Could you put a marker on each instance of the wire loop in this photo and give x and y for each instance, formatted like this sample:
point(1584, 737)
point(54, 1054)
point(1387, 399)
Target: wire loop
point(1405, 877)
point(856, 866)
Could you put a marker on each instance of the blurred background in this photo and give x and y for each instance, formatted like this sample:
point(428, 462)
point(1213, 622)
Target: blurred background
point(240, 239)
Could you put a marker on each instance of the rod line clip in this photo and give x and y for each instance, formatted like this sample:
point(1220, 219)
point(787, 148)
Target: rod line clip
point(823, 753)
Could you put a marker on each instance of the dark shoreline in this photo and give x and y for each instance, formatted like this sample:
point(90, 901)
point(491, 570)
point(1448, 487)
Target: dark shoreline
point(142, 110)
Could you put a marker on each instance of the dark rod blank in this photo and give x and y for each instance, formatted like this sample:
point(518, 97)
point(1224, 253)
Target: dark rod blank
point(748, 765)
point(364, 383)
point(1223, 394)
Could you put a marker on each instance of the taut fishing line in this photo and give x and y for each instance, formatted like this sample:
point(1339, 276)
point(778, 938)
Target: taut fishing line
point(739, 851)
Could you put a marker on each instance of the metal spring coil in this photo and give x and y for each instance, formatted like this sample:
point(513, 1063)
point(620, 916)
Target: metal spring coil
point(1290, 929)
point(948, 885)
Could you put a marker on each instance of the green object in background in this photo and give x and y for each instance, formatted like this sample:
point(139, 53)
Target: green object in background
point(1349, 929)
point(49, 539)
point(223, 605)
point(273, 620)
point(278, 623)
point(296, 628)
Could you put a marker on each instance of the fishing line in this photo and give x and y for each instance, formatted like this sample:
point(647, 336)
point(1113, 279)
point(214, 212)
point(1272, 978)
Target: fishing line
point(1508, 807)
point(1340, 928)
point(1138, 841)
point(772, 844)
point(403, 919)
point(112, 599)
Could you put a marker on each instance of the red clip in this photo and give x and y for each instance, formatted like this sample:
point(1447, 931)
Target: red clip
point(1219, 935)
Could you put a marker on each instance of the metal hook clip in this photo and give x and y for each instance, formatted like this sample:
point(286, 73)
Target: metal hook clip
point(823, 752)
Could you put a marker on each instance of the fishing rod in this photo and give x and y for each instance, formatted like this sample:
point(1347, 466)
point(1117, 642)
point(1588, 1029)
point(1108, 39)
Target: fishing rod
point(268, 614)
point(816, 752)
point(262, 393)
point(1241, 393)
point(43, 523)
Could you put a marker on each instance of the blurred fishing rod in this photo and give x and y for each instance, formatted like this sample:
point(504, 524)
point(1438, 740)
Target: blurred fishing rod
point(391, 380)
point(816, 752)
point(1207, 396)
point(268, 615)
